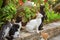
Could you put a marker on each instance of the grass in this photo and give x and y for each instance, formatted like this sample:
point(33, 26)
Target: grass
point(52, 16)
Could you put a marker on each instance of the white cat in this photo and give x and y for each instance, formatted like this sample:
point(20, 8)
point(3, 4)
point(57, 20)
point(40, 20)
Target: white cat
point(34, 24)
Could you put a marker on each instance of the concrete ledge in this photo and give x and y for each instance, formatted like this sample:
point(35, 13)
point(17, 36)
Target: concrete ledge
point(52, 29)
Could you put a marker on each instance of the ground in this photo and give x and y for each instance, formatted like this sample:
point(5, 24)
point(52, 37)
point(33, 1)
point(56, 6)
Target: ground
point(56, 38)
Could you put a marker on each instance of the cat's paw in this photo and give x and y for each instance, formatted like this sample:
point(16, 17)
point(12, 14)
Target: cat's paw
point(38, 31)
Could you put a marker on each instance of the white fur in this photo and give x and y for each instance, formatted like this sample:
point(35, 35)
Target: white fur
point(34, 24)
point(17, 34)
point(6, 31)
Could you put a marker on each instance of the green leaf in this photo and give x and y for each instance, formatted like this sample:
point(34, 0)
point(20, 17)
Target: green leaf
point(1, 1)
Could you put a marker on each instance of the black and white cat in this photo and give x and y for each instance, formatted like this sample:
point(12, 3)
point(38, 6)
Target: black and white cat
point(14, 32)
point(5, 29)
point(11, 31)
point(34, 24)
point(44, 16)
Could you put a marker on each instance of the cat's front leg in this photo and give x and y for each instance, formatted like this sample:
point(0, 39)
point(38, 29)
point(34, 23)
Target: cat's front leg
point(37, 29)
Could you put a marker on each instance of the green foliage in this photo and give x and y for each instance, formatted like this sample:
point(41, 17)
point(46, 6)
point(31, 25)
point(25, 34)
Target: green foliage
point(7, 12)
point(35, 1)
point(57, 1)
point(51, 14)
point(15, 2)
point(28, 14)
point(1, 3)
point(24, 1)
point(50, 2)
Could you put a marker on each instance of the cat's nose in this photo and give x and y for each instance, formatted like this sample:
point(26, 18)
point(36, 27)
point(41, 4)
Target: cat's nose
point(18, 35)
